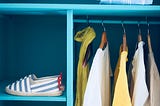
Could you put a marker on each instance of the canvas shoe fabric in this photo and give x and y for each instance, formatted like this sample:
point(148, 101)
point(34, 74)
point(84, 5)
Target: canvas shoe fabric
point(33, 86)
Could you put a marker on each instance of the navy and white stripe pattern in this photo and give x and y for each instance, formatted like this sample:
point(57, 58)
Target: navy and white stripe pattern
point(31, 85)
point(47, 86)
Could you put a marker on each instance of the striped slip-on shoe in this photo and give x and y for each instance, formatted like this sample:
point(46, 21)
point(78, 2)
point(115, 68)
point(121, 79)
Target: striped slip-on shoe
point(33, 86)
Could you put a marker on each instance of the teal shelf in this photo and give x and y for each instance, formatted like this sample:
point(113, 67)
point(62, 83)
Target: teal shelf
point(117, 10)
point(70, 10)
point(5, 96)
point(80, 9)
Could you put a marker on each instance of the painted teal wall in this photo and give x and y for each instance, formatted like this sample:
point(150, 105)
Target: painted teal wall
point(114, 36)
point(32, 44)
point(37, 44)
point(2, 48)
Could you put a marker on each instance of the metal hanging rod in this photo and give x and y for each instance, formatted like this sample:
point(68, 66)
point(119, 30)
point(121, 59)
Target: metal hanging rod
point(114, 21)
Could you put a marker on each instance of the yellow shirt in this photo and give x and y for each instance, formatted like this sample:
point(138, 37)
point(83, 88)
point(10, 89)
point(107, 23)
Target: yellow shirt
point(85, 36)
point(121, 93)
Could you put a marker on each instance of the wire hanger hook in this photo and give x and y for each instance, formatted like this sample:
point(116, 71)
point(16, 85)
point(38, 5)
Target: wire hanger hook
point(124, 31)
point(88, 20)
point(148, 31)
point(148, 28)
point(104, 29)
point(139, 30)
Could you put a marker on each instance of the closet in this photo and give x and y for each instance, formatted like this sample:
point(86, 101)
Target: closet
point(38, 38)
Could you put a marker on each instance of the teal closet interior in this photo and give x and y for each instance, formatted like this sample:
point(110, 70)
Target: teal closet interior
point(38, 39)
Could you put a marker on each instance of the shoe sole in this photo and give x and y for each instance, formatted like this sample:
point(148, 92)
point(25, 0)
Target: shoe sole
point(33, 94)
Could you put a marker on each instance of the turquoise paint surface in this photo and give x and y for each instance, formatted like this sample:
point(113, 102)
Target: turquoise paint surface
point(70, 56)
point(28, 45)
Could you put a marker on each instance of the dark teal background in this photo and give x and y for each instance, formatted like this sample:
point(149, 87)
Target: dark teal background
point(32, 45)
point(37, 44)
point(114, 36)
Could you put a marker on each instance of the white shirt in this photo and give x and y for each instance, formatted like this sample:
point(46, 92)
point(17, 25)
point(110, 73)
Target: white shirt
point(98, 86)
point(154, 81)
point(140, 90)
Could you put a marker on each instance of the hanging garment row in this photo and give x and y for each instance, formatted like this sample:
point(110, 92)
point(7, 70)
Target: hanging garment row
point(94, 86)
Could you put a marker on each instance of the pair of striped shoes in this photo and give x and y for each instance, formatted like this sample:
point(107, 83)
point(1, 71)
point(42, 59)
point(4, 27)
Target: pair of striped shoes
point(33, 86)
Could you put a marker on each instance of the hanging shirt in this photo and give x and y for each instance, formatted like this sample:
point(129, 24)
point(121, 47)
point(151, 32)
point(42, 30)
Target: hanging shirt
point(154, 78)
point(121, 93)
point(85, 36)
point(130, 80)
point(140, 91)
point(98, 86)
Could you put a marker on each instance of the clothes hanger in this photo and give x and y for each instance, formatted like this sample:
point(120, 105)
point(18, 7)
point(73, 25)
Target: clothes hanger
point(139, 35)
point(148, 36)
point(103, 43)
point(88, 21)
point(149, 39)
point(124, 45)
